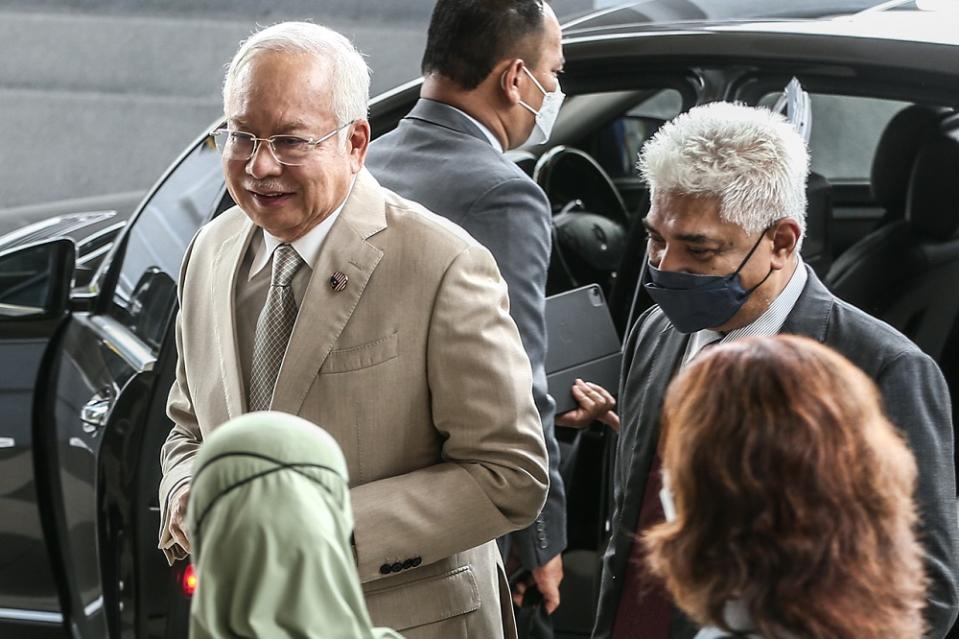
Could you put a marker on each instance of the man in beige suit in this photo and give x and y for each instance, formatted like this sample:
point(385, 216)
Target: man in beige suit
point(326, 296)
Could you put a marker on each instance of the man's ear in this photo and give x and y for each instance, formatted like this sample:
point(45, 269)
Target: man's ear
point(359, 142)
point(785, 236)
point(510, 78)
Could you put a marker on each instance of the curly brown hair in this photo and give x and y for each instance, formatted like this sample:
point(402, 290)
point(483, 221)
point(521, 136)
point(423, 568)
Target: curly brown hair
point(793, 495)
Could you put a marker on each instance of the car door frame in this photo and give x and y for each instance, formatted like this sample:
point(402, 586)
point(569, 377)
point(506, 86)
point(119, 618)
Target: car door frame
point(36, 338)
point(109, 615)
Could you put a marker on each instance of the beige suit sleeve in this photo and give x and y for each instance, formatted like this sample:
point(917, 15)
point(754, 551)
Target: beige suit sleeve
point(493, 475)
point(181, 445)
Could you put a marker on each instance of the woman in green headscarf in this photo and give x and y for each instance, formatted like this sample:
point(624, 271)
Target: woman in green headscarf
point(270, 521)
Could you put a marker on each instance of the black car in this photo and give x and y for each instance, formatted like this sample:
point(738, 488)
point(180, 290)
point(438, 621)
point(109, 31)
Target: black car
point(86, 347)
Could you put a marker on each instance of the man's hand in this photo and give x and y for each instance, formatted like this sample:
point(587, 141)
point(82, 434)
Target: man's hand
point(547, 579)
point(595, 403)
point(178, 504)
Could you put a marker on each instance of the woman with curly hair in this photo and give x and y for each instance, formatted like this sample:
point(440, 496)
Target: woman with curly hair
point(788, 497)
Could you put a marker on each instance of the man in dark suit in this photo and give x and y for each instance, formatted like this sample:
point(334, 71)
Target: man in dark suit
point(491, 82)
point(726, 222)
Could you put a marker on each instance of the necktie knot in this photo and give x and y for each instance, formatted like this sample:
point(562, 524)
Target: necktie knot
point(286, 262)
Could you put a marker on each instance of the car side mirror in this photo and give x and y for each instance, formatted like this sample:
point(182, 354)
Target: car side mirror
point(35, 280)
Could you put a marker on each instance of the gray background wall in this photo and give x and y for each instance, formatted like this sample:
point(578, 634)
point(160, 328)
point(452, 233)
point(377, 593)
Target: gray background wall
point(99, 96)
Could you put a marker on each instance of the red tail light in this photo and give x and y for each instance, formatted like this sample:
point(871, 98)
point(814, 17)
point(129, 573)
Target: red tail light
point(189, 580)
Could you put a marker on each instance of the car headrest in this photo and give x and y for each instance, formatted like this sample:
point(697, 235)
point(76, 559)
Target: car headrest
point(896, 152)
point(932, 205)
point(817, 246)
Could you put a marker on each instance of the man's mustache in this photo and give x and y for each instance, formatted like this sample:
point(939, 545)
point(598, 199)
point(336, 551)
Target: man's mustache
point(267, 187)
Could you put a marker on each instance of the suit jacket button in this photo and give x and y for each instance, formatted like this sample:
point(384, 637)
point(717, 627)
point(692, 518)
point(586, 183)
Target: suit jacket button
point(417, 561)
point(407, 564)
point(385, 569)
point(397, 567)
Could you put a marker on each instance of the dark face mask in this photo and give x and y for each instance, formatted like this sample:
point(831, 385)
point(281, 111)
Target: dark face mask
point(693, 302)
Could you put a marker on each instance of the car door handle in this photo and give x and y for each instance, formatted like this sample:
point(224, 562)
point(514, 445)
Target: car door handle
point(95, 412)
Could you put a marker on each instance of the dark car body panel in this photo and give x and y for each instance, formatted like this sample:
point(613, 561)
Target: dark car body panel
point(83, 395)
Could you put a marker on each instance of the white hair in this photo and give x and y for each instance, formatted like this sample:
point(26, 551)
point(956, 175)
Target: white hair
point(349, 73)
point(751, 159)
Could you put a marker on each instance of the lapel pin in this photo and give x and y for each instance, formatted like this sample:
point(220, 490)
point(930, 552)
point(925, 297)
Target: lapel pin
point(338, 281)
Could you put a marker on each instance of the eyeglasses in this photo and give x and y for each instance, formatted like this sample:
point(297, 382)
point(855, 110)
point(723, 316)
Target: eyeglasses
point(289, 150)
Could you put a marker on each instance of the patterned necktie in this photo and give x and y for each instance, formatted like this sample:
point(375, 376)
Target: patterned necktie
point(273, 328)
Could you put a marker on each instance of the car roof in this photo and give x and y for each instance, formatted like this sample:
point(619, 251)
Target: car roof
point(903, 20)
point(902, 48)
point(648, 12)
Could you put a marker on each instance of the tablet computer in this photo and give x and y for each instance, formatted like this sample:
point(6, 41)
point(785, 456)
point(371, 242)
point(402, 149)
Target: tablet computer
point(581, 342)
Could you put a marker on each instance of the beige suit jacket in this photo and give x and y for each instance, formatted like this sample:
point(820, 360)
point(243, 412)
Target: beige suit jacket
point(418, 372)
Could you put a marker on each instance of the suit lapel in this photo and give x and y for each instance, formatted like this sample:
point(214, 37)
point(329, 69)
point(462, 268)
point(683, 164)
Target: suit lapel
point(223, 284)
point(810, 315)
point(324, 312)
point(666, 360)
point(659, 367)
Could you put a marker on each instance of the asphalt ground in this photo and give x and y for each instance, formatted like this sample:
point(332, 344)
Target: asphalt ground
point(99, 96)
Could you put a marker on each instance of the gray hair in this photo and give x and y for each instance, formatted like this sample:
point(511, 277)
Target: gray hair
point(350, 75)
point(751, 159)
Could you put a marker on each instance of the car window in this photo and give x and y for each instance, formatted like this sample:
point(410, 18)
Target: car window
point(616, 146)
point(145, 292)
point(25, 281)
point(845, 133)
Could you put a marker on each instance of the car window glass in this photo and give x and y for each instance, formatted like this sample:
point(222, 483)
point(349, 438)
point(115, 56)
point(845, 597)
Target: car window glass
point(617, 145)
point(25, 281)
point(145, 293)
point(845, 133)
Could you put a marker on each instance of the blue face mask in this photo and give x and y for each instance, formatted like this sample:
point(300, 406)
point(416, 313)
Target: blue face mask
point(693, 302)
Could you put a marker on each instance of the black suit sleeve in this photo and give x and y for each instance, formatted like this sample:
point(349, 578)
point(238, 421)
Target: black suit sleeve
point(513, 221)
point(916, 399)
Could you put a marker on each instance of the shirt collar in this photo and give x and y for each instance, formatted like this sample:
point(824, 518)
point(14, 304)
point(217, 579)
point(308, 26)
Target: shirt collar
point(737, 617)
point(493, 140)
point(769, 323)
point(307, 247)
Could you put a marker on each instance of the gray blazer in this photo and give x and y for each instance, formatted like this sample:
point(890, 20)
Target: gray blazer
point(437, 157)
point(916, 399)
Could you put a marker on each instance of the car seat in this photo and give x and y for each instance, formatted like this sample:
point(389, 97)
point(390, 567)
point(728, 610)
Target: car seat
point(907, 271)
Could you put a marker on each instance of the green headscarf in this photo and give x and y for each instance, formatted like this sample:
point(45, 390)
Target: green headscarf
point(270, 523)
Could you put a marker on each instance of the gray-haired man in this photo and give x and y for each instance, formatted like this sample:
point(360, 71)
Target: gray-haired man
point(314, 296)
point(727, 184)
